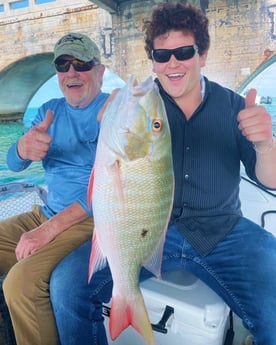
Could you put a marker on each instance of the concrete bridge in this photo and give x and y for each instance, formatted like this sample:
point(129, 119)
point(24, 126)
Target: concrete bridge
point(243, 41)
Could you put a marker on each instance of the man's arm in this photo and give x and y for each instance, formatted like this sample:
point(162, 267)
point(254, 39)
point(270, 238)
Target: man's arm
point(266, 163)
point(35, 239)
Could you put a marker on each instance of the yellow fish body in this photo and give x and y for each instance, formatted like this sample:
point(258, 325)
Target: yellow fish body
point(131, 189)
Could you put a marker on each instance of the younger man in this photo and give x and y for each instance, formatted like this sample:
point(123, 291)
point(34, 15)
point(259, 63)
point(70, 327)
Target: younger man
point(213, 130)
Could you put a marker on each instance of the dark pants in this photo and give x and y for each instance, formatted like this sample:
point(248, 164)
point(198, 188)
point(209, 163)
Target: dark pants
point(6, 325)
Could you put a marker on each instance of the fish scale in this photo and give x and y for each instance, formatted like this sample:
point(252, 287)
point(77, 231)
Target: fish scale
point(131, 189)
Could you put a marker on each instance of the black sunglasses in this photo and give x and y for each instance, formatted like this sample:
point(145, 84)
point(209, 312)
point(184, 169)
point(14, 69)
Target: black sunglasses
point(79, 66)
point(181, 53)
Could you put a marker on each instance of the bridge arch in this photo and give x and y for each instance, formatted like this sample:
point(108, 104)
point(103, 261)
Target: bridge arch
point(264, 66)
point(21, 80)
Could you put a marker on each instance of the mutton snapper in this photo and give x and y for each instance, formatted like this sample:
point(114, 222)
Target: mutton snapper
point(131, 188)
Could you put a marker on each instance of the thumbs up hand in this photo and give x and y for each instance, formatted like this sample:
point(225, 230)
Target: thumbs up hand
point(255, 122)
point(35, 144)
point(46, 123)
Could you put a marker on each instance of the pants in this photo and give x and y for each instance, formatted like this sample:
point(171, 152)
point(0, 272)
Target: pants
point(26, 286)
point(6, 329)
point(241, 269)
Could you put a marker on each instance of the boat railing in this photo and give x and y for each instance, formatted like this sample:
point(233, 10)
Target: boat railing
point(271, 194)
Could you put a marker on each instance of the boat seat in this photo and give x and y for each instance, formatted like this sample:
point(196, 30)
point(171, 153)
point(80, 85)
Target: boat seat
point(19, 197)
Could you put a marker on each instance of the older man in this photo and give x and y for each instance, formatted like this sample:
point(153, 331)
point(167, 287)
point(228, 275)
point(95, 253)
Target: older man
point(63, 136)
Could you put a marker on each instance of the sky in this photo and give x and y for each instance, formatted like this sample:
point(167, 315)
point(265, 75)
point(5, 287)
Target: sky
point(51, 89)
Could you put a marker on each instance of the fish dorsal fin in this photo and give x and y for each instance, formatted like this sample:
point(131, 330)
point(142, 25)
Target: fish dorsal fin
point(153, 263)
point(97, 260)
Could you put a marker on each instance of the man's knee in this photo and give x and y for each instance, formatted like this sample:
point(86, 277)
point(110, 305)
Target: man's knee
point(18, 283)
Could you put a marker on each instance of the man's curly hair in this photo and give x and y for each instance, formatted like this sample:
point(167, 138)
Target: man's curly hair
point(177, 17)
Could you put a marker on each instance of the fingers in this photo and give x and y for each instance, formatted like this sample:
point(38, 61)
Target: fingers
point(254, 121)
point(35, 144)
point(21, 251)
point(27, 245)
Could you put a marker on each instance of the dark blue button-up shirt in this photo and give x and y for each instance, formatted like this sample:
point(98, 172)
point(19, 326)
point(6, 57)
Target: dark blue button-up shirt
point(207, 152)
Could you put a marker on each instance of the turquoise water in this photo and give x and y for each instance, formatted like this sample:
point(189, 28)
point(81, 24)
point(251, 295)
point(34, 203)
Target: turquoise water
point(9, 132)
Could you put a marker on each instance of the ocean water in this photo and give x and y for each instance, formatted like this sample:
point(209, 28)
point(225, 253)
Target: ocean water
point(10, 131)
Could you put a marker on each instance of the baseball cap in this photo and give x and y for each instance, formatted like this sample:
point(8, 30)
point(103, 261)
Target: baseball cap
point(77, 45)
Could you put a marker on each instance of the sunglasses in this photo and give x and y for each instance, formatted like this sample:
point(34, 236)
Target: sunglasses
point(181, 53)
point(79, 66)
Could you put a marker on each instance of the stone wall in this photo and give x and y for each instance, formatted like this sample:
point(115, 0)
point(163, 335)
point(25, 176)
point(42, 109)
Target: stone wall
point(243, 36)
point(35, 29)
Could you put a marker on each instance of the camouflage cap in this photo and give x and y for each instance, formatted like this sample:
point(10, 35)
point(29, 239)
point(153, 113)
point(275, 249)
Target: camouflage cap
point(77, 45)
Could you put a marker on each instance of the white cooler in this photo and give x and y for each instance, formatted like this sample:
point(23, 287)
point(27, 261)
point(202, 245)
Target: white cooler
point(186, 310)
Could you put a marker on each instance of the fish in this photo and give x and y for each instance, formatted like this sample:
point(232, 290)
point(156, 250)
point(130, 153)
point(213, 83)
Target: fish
point(131, 190)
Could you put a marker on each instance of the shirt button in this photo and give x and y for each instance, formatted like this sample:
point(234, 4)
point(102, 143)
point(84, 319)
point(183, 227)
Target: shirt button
point(186, 177)
point(187, 148)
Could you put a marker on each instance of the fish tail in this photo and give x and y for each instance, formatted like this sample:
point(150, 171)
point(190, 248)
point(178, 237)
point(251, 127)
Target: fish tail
point(124, 313)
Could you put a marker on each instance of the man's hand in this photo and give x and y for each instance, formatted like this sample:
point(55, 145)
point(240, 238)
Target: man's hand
point(255, 122)
point(33, 240)
point(35, 144)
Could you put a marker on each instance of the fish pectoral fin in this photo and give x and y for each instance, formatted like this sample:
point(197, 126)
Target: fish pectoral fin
point(97, 260)
point(90, 188)
point(130, 312)
point(107, 104)
point(115, 170)
point(153, 263)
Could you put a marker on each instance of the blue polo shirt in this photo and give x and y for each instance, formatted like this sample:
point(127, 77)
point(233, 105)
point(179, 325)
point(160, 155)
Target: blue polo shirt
point(207, 151)
point(71, 156)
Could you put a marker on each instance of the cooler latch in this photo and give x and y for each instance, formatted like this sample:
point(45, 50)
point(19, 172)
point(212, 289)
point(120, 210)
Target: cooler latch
point(161, 325)
point(158, 327)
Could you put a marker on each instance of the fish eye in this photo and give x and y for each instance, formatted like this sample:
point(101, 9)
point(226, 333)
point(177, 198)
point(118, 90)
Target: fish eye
point(157, 125)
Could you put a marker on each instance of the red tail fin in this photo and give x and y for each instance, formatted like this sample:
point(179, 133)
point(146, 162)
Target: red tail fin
point(130, 312)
